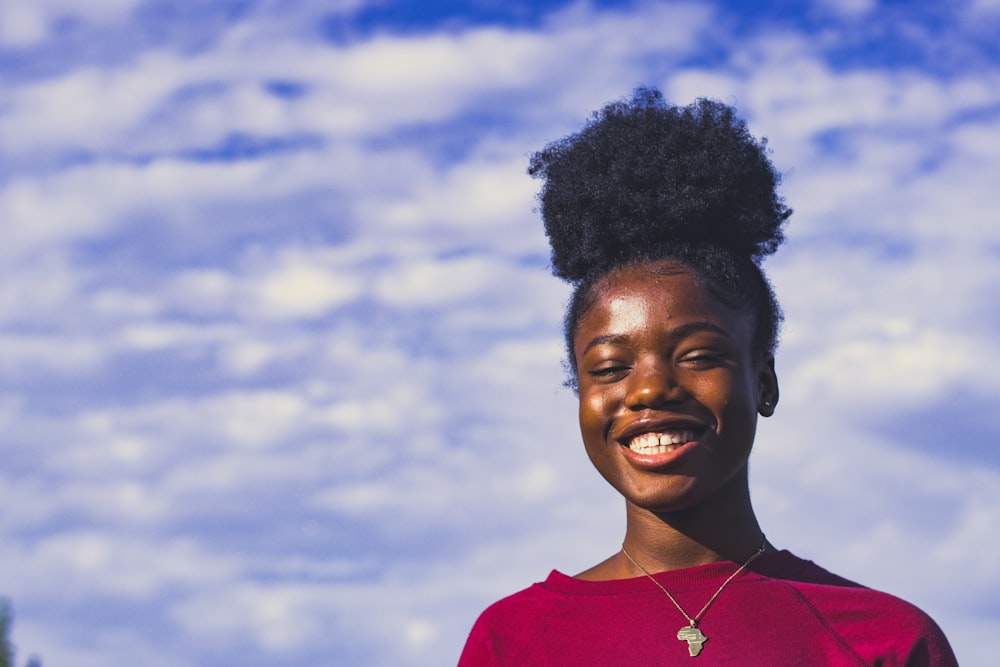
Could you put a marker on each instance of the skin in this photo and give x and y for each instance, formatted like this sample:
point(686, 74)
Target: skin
point(657, 352)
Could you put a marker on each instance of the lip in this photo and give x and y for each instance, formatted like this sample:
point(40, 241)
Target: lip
point(659, 460)
point(660, 425)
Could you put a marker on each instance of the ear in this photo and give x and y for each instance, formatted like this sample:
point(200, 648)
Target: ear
point(767, 387)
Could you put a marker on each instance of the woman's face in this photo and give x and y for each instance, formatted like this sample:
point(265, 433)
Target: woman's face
point(669, 386)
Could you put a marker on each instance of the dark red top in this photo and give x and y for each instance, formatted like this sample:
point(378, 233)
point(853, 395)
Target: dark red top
point(782, 611)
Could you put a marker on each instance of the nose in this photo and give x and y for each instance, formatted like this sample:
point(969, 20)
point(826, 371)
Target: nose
point(652, 384)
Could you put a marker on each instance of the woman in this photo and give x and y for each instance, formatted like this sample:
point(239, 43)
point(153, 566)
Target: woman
point(659, 217)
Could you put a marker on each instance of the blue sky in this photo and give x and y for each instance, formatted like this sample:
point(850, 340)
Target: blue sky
point(280, 358)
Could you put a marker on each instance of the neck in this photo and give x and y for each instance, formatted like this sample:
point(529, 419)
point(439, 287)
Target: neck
point(723, 527)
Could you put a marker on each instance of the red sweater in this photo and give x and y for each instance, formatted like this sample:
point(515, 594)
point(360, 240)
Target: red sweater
point(782, 611)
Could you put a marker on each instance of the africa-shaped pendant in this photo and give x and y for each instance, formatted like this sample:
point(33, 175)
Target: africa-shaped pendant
point(694, 637)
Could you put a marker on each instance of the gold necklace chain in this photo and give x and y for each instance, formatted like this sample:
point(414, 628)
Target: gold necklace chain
point(691, 633)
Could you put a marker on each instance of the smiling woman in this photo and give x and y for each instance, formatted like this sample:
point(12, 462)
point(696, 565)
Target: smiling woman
point(659, 217)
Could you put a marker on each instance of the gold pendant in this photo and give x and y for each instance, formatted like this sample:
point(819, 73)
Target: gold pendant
point(694, 637)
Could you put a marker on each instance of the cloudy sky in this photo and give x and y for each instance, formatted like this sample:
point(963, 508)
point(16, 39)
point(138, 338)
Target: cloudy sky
point(280, 359)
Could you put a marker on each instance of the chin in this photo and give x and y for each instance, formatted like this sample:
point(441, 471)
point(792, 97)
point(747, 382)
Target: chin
point(661, 501)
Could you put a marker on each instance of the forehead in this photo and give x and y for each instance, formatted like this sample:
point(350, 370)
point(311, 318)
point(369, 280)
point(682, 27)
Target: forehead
point(656, 296)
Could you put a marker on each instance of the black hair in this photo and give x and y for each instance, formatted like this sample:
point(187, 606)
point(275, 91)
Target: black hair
point(645, 181)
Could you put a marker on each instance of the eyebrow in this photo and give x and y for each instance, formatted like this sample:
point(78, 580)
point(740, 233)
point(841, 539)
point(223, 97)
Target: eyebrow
point(682, 331)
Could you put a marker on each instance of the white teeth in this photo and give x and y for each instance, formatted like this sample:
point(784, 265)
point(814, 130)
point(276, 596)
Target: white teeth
point(660, 443)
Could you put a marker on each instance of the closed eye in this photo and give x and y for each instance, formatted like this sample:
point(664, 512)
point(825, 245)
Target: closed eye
point(609, 372)
point(700, 359)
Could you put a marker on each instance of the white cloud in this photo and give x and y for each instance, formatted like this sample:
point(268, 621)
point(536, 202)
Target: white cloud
point(437, 283)
point(24, 23)
point(280, 285)
point(90, 203)
point(248, 357)
point(273, 618)
point(85, 109)
point(985, 6)
point(298, 290)
point(27, 354)
point(472, 196)
point(367, 88)
point(849, 8)
point(82, 563)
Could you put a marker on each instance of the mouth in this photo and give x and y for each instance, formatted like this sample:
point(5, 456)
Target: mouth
point(660, 442)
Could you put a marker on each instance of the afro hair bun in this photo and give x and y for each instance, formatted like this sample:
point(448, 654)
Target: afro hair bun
point(643, 175)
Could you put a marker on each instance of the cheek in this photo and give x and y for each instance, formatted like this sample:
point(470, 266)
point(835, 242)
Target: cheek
point(713, 392)
point(734, 404)
point(593, 414)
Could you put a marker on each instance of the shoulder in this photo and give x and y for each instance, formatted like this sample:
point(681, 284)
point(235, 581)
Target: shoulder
point(538, 598)
point(878, 627)
point(509, 625)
